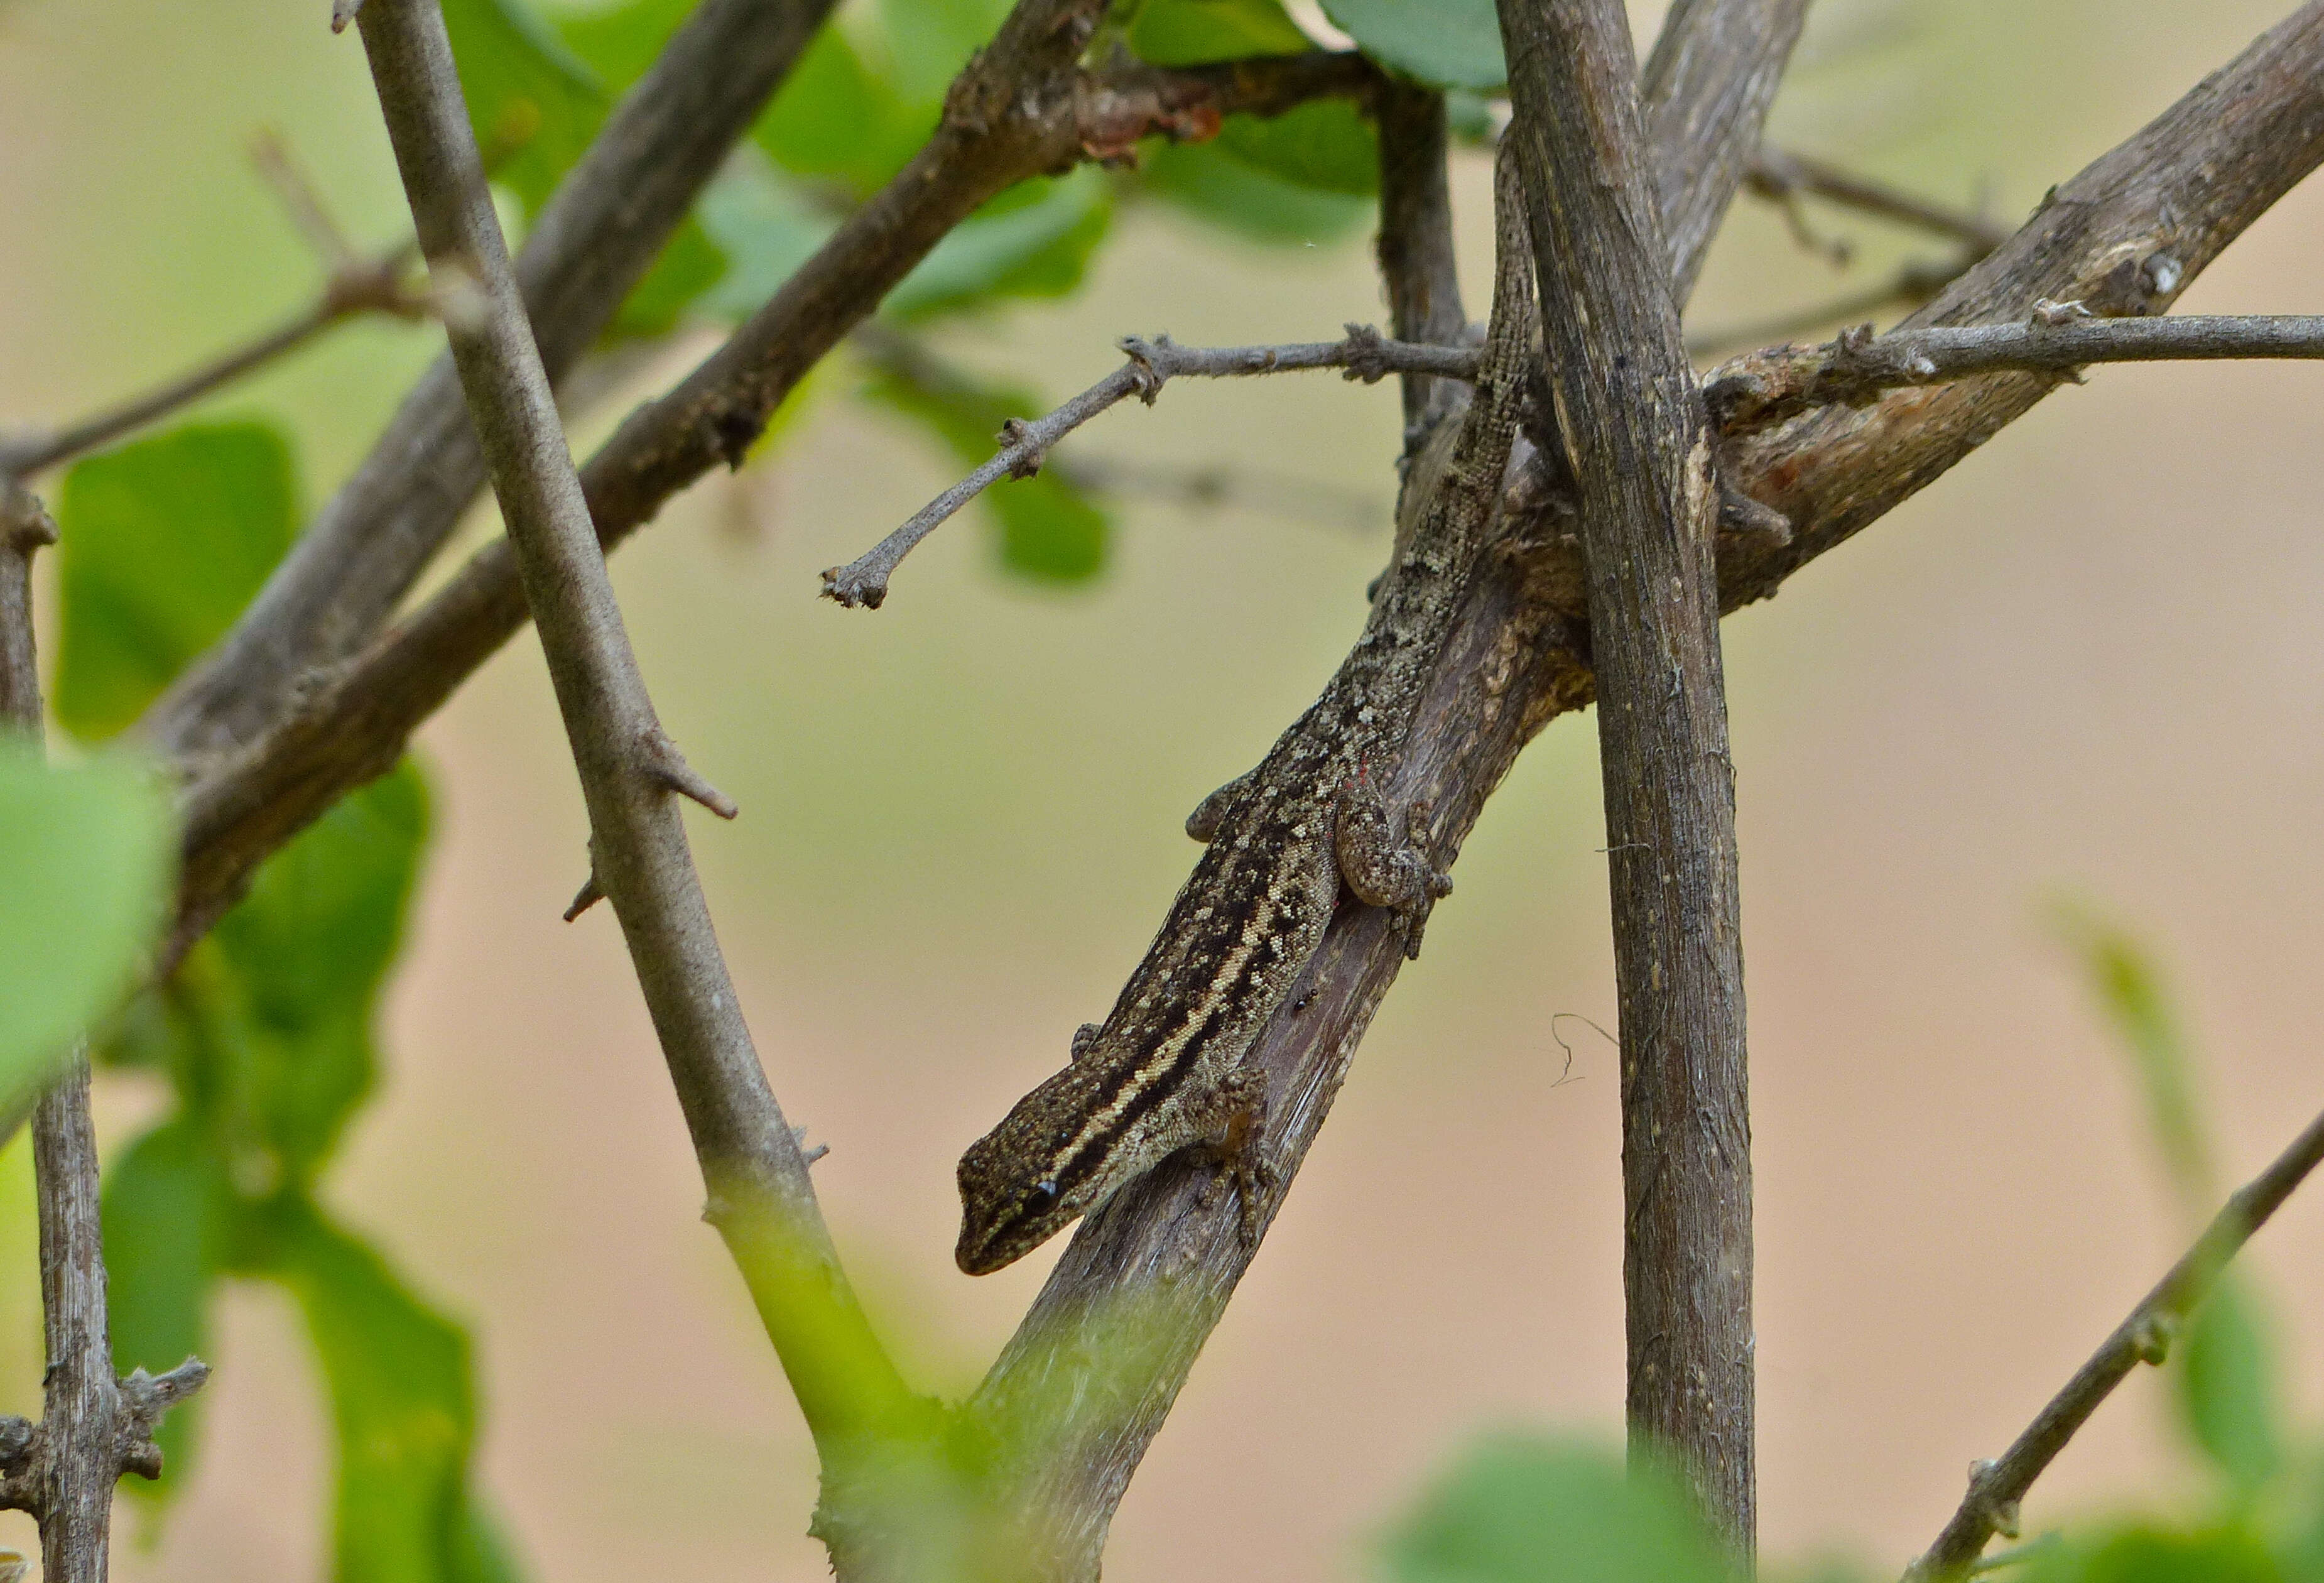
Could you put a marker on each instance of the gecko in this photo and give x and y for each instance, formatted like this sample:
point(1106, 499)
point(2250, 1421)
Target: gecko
point(1164, 1071)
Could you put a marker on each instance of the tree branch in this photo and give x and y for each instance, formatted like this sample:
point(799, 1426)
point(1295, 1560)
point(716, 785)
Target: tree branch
point(1769, 386)
point(759, 1195)
point(2144, 1336)
point(1415, 247)
point(595, 239)
point(1638, 444)
point(93, 1426)
point(1781, 177)
point(863, 583)
point(1711, 76)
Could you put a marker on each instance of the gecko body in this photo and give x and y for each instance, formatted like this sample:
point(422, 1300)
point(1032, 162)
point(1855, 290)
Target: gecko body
point(1165, 1070)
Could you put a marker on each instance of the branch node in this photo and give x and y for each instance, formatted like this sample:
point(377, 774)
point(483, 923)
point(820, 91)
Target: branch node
point(1745, 518)
point(590, 893)
point(16, 1442)
point(343, 11)
point(1367, 355)
point(1143, 355)
point(798, 1136)
point(2049, 315)
point(2151, 1338)
point(144, 1398)
point(1016, 432)
point(666, 768)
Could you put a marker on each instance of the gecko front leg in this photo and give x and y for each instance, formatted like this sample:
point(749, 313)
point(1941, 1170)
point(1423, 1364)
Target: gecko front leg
point(1382, 860)
point(1211, 812)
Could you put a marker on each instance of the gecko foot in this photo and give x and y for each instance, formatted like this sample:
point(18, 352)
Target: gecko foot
point(1212, 812)
point(1382, 860)
point(1234, 1153)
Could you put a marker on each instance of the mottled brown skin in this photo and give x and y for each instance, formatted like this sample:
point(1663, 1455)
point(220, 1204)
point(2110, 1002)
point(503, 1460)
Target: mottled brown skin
point(1164, 1072)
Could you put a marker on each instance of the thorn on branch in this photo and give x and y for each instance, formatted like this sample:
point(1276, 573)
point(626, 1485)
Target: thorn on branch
point(587, 896)
point(798, 1136)
point(343, 11)
point(667, 769)
point(2151, 1339)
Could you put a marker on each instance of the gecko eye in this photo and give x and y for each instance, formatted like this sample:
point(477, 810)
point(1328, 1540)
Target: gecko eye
point(1045, 1193)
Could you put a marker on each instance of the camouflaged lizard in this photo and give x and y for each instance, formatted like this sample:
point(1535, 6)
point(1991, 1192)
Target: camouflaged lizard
point(1165, 1071)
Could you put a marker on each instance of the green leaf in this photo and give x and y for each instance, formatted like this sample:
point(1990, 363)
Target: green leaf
point(766, 232)
point(617, 44)
point(266, 1029)
point(533, 104)
point(1327, 144)
point(1049, 530)
point(402, 1401)
point(1195, 33)
point(161, 544)
point(167, 1214)
point(2143, 1552)
point(1214, 185)
point(688, 267)
point(1521, 1508)
point(834, 117)
point(1447, 43)
point(2228, 1389)
point(1034, 240)
point(86, 856)
point(2131, 991)
point(929, 41)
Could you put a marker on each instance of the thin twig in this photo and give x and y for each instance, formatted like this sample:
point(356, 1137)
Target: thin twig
point(353, 285)
point(2060, 338)
point(1995, 1487)
point(94, 1425)
point(761, 1196)
point(1363, 353)
point(1781, 177)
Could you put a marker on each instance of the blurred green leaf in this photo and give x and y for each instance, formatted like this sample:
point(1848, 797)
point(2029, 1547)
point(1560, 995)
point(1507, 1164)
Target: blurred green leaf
point(2228, 1386)
point(616, 43)
point(1326, 144)
point(1049, 530)
point(765, 230)
point(1521, 1508)
point(161, 544)
point(1034, 240)
point(835, 118)
point(266, 1028)
point(2142, 1552)
point(402, 1401)
point(2131, 991)
point(534, 106)
point(680, 278)
point(929, 41)
point(1192, 33)
point(167, 1214)
point(85, 855)
point(1214, 185)
point(1450, 43)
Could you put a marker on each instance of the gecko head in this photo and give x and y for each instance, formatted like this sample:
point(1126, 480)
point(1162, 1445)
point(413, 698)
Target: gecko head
point(1016, 1191)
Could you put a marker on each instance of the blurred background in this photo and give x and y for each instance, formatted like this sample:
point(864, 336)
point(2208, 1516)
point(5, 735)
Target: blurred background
point(2084, 665)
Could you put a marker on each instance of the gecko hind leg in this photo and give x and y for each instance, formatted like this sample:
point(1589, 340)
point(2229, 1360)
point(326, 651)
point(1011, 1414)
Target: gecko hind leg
point(1382, 860)
point(1085, 1039)
point(1236, 1116)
